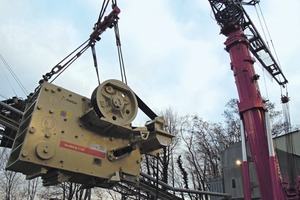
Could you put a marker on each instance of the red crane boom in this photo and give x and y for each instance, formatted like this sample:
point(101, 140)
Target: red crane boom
point(252, 111)
point(234, 21)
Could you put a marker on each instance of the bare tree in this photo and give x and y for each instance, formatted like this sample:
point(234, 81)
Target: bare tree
point(232, 120)
point(72, 191)
point(50, 192)
point(167, 159)
point(10, 182)
point(31, 188)
point(276, 118)
point(202, 150)
point(107, 194)
point(164, 161)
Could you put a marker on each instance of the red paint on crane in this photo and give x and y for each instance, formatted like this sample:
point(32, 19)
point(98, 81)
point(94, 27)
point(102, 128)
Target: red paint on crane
point(252, 110)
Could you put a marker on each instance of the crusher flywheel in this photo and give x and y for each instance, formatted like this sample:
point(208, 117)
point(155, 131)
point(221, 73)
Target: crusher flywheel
point(115, 101)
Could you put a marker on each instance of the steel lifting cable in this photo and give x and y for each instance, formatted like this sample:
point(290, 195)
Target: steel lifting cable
point(99, 28)
point(117, 35)
point(102, 11)
point(93, 40)
point(284, 98)
point(59, 68)
point(268, 36)
point(72, 60)
point(95, 61)
point(265, 23)
point(261, 25)
point(287, 117)
point(120, 54)
point(267, 43)
point(119, 48)
point(272, 44)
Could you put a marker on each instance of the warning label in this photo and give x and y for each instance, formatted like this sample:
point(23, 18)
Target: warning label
point(75, 147)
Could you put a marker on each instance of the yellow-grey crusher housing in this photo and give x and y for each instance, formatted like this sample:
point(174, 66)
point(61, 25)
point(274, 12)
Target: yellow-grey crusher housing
point(67, 137)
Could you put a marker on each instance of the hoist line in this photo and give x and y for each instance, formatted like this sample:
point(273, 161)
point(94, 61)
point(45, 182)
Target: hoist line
point(88, 43)
point(287, 118)
point(71, 61)
point(120, 54)
point(99, 27)
point(284, 98)
point(14, 76)
point(271, 40)
point(95, 61)
point(265, 83)
point(92, 43)
point(268, 38)
point(118, 43)
point(61, 69)
point(114, 3)
point(262, 28)
point(267, 43)
point(102, 11)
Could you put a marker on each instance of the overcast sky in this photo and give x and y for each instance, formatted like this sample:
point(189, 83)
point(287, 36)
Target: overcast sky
point(173, 53)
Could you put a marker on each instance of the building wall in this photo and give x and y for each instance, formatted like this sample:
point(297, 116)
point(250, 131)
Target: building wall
point(232, 173)
point(288, 153)
point(216, 185)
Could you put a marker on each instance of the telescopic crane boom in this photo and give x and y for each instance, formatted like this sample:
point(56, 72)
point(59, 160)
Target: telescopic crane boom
point(235, 22)
point(230, 13)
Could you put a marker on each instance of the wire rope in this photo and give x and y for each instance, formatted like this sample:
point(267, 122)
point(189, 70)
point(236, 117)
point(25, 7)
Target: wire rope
point(92, 41)
point(265, 83)
point(262, 28)
point(102, 11)
point(99, 27)
point(266, 39)
point(269, 35)
point(69, 62)
point(95, 61)
point(120, 54)
point(269, 39)
point(284, 98)
point(273, 47)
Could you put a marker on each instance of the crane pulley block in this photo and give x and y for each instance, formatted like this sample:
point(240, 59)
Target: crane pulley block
point(64, 136)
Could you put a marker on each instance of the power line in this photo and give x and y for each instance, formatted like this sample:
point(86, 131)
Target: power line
point(8, 81)
point(14, 75)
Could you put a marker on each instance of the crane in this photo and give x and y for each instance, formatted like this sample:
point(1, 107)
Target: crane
point(52, 140)
point(234, 23)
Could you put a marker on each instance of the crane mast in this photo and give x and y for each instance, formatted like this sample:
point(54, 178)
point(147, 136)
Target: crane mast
point(234, 22)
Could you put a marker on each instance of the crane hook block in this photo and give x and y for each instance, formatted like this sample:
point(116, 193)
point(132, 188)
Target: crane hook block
point(115, 101)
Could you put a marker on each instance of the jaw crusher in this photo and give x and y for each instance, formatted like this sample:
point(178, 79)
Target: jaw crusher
point(64, 136)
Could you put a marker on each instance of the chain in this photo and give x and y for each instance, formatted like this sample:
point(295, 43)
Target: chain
point(108, 22)
point(60, 66)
